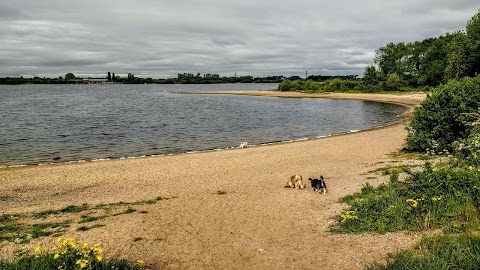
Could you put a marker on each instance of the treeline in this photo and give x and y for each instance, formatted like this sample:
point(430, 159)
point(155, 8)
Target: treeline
point(184, 78)
point(430, 62)
point(415, 65)
point(35, 80)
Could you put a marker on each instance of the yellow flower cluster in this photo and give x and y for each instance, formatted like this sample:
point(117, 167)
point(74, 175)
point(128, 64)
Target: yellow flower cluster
point(437, 198)
point(413, 203)
point(348, 215)
point(63, 245)
point(82, 263)
point(68, 247)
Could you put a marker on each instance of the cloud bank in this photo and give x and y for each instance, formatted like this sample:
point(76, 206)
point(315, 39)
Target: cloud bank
point(162, 38)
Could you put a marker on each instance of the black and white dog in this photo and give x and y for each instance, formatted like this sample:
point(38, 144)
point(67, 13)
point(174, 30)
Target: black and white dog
point(319, 185)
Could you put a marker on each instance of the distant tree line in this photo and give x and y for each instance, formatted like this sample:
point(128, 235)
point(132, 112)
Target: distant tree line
point(183, 78)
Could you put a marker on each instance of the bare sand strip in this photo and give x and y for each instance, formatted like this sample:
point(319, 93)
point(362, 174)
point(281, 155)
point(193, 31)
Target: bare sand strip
point(254, 223)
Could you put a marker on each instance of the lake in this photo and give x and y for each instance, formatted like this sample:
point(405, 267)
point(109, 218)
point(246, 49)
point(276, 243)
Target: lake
point(42, 124)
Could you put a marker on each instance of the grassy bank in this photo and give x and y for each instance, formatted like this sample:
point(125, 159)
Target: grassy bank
point(443, 198)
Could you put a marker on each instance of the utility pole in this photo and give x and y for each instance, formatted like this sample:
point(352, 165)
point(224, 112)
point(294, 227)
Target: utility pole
point(306, 74)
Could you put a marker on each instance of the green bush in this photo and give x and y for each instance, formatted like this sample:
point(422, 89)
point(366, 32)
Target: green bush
point(285, 85)
point(336, 84)
point(467, 151)
point(439, 121)
point(438, 253)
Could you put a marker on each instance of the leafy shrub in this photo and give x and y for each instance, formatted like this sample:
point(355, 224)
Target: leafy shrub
point(467, 151)
point(336, 84)
point(438, 253)
point(438, 122)
point(285, 85)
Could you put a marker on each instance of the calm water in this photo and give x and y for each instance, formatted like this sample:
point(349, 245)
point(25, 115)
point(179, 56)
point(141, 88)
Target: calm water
point(53, 124)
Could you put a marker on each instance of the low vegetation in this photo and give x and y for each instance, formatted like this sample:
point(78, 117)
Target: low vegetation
point(438, 253)
point(69, 255)
point(431, 199)
point(444, 198)
point(21, 228)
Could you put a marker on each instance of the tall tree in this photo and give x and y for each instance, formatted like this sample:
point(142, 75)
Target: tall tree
point(113, 77)
point(433, 62)
point(473, 34)
point(390, 59)
point(457, 58)
point(109, 77)
point(370, 78)
point(69, 76)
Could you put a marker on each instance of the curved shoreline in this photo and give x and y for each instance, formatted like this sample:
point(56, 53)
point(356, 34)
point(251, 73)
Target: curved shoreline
point(230, 208)
point(384, 98)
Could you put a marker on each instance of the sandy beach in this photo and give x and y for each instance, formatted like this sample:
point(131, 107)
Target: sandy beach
point(225, 209)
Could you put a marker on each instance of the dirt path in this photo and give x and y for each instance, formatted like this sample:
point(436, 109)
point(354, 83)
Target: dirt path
point(228, 209)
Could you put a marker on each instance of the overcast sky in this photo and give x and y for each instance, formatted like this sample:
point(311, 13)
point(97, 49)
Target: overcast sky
point(161, 38)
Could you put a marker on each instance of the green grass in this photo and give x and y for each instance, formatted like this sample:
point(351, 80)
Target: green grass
point(16, 227)
point(391, 170)
point(438, 253)
point(86, 228)
point(431, 199)
point(68, 209)
point(86, 218)
point(22, 232)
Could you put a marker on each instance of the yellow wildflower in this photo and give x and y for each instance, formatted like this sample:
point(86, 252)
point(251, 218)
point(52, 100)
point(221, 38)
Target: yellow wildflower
point(99, 258)
point(37, 249)
point(348, 215)
point(140, 262)
point(470, 168)
point(56, 256)
point(413, 203)
point(82, 263)
point(438, 198)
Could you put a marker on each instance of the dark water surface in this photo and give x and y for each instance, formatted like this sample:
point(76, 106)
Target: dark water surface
point(61, 123)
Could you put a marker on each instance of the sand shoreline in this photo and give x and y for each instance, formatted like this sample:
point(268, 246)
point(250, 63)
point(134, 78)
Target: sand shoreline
point(409, 103)
point(230, 208)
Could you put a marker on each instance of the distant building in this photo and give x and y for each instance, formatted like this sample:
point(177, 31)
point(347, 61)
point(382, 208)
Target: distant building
point(95, 80)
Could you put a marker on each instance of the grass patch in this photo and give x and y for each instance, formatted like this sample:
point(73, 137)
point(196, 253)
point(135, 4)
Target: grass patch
point(128, 211)
point(68, 209)
point(430, 199)
point(438, 253)
point(86, 219)
point(391, 170)
point(16, 227)
point(21, 232)
point(86, 228)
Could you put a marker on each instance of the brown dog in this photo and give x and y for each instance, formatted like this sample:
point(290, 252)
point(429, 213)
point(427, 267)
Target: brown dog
point(296, 182)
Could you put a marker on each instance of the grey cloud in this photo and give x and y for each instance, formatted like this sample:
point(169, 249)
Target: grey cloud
point(163, 38)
